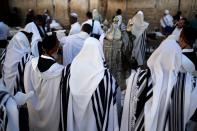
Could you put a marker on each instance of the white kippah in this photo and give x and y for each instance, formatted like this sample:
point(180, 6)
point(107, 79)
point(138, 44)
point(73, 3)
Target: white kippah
point(74, 15)
point(166, 12)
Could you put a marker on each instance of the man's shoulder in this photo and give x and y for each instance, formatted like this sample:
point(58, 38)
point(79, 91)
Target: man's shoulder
point(87, 22)
point(76, 25)
point(97, 22)
point(166, 41)
point(71, 38)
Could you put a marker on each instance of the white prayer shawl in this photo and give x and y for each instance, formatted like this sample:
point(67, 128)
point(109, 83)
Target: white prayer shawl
point(82, 104)
point(18, 47)
point(127, 107)
point(139, 25)
point(31, 27)
point(181, 105)
point(191, 96)
point(75, 28)
point(187, 65)
point(175, 111)
point(139, 30)
point(9, 120)
point(44, 106)
point(72, 46)
point(175, 34)
point(164, 71)
point(96, 15)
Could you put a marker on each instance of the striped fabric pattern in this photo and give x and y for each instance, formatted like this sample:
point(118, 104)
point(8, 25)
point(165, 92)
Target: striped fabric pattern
point(143, 45)
point(176, 106)
point(19, 86)
point(2, 57)
point(137, 94)
point(64, 95)
point(104, 96)
point(4, 96)
point(143, 92)
point(102, 99)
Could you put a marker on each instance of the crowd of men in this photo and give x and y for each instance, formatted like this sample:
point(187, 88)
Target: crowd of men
point(38, 93)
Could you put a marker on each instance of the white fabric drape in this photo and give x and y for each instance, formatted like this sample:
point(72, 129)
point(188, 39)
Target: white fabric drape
point(139, 25)
point(17, 48)
point(164, 71)
point(88, 70)
point(31, 27)
point(87, 80)
point(138, 28)
point(72, 46)
point(44, 106)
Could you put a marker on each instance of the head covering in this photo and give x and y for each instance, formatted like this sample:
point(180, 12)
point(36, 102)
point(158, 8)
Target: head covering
point(87, 69)
point(74, 15)
point(95, 11)
point(96, 15)
point(167, 12)
point(31, 27)
point(139, 25)
point(164, 64)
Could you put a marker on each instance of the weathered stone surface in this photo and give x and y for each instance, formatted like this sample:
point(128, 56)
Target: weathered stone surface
point(153, 9)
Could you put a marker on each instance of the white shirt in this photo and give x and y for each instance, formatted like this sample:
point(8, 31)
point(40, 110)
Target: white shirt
point(75, 28)
point(72, 46)
point(4, 31)
point(166, 20)
point(97, 26)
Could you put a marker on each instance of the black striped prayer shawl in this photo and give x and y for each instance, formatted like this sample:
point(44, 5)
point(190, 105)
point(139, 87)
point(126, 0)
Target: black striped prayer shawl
point(2, 57)
point(175, 114)
point(4, 96)
point(139, 95)
point(143, 45)
point(19, 85)
point(101, 99)
point(143, 91)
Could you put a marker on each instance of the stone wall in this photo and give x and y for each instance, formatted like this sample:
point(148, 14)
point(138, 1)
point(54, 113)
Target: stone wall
point(153, 9)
